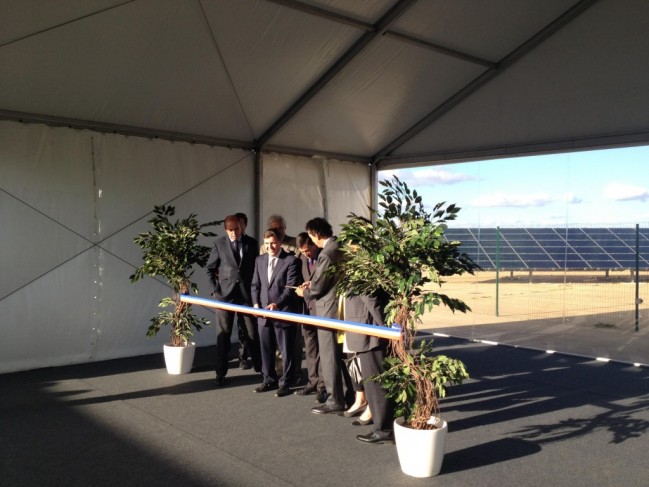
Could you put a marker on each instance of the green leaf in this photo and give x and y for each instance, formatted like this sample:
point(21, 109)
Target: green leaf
point(171, 251)
point(399, 254)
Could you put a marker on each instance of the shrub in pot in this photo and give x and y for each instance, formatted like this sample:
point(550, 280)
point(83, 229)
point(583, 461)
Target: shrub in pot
point(402, 252)
point(170, 251)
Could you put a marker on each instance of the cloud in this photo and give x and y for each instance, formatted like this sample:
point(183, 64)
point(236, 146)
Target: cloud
point(522, 200)
point(625, 192)
point(428, 177)
point(513, 200)
point(572, 199)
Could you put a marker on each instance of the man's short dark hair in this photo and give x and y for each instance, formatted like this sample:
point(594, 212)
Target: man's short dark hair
point(320, 227)
point(272, 232)
point(243, 217)
point(303, 239)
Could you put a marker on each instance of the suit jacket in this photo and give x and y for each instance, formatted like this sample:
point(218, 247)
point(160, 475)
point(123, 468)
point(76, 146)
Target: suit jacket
point(365, 310)
point(286, 273)
point(323, 283)
point(308, 308)
point(225, 275)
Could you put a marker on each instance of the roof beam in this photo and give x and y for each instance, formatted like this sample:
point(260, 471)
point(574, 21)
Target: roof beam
point(551, 146)
point(326, 14)
point(378, 30)
point(439, 49)
point(316, 154)
point(110, 128)
point(71, 21)
point(514, 56)
point(345, 19)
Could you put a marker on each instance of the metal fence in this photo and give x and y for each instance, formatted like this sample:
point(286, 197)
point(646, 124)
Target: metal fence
point(575, 289)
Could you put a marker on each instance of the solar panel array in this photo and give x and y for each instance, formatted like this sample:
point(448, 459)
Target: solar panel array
point(554, 248)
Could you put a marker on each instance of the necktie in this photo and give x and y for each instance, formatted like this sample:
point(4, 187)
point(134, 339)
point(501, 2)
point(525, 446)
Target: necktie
point(309, 265)
point(271, 267)
point(235, 250)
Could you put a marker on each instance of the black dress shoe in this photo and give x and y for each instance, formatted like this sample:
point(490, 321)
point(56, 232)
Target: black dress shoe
point(220, 381)
point(377, 437)
point(327, 410)
point(321, 397)
point(266, 386)
point(283, 391)
point(305, 391)
point(362, 422)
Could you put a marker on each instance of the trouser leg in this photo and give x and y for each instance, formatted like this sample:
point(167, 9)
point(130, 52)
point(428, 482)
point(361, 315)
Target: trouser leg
point(253, 341)
point(268, 347)
point(244, 349)
point(330, 359)
point(224, 320)
point(297, 352)
point(381, 407)
point(286, 343)
point(312, 354)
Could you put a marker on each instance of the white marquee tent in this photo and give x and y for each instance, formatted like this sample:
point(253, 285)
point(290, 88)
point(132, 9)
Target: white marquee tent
point(109, 107)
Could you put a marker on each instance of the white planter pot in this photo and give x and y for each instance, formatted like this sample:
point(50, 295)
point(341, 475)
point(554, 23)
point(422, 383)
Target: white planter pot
point(421, 452)
point(179, 360)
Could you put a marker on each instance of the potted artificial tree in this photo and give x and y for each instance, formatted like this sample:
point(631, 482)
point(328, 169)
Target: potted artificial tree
point(170, 251)
point(404, 254)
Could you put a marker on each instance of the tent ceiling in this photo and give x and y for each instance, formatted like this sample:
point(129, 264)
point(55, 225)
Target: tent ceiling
point(386, 81)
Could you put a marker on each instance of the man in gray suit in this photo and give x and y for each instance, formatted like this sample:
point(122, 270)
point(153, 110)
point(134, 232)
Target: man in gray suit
point(322, 290)
point(274, 280)
point(229, 270)
point(308, 257)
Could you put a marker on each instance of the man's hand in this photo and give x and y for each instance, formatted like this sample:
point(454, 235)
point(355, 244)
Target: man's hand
point(300, 289)
point(272, 307)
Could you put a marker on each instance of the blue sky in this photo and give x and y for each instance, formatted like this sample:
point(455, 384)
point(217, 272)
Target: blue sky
point(604, 187)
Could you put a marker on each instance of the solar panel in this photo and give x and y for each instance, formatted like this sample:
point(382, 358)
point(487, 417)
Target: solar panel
point(574, 248)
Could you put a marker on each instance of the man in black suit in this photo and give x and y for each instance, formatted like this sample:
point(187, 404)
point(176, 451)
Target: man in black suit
point(322, 289)
point(308, 256)
point(229, 270)
point(371, 352)
point(273, 282)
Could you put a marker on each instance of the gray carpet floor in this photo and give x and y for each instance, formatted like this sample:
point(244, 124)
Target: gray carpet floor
point(525, 418)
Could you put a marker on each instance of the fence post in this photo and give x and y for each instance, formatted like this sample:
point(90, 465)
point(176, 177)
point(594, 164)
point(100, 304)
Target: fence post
point(497, 270)
point(637, 277)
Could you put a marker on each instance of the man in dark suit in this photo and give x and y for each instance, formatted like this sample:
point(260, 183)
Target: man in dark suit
point(278, 223)
point(371, 352)
point(244, 352)
point(229, 270)
point(308, 256)
point(322, 290)
point(274, 279)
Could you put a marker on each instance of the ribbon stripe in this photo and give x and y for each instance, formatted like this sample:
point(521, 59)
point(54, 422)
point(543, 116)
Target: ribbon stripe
point(374, 330)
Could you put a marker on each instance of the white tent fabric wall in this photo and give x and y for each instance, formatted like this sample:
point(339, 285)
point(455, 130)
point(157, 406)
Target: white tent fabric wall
point(301, 188)
point(348, 191)
point(70, 204)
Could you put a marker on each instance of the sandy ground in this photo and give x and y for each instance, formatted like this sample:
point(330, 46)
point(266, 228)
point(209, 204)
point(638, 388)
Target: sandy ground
point(588, 313)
